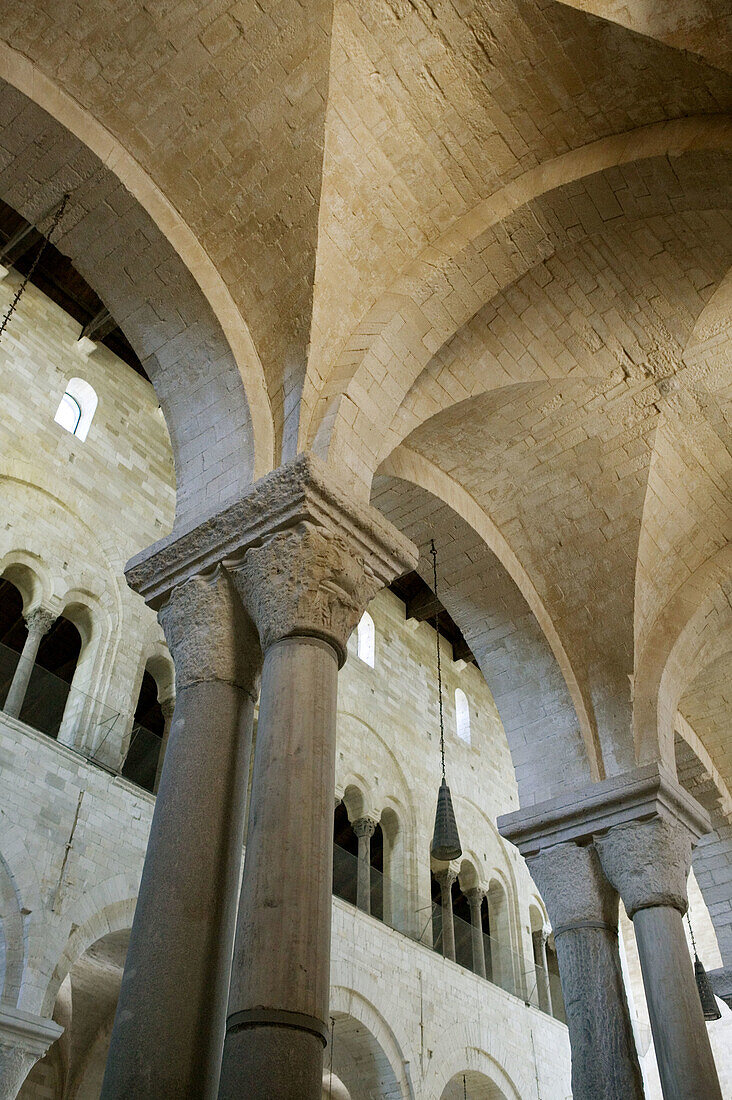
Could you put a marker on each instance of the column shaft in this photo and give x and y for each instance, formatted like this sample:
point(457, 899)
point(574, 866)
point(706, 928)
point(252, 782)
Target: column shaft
point(543, 989)
point(167, 706)
point(648, 862)
point(278, 1007)
point(39, 623)
point(364, 829)
point(583, 909)
point(446, 879)
point(169, 1028)
point(475, 900)
point(683, 1052)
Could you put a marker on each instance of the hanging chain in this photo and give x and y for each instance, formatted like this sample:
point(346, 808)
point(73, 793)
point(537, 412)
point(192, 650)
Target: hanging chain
point(465, 1089)
point(46, 239)
point(330, 1081)
point(433, 552)
point(691, 933)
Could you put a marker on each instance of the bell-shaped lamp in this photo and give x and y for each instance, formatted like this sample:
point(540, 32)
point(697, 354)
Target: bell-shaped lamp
point(445, 839)
point(710, 1008)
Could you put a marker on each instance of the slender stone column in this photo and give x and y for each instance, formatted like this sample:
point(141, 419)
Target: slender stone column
point(475, 901)
point(306, 588)
point(583, 909)
point(168, 707)
point(648, 863)
point(24, 1039)
point(169, 1027)
point(364, 828)
point(538, 940)
point(39, 622)
point(446, 878)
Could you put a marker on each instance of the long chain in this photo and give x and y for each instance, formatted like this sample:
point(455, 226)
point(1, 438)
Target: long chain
point(18, 294)
point(433, 552)
point(332, 1034)
point(465, 1089)
point(691, 933)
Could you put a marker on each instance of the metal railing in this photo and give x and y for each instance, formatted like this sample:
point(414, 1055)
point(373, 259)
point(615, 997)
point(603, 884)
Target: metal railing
point(504, 966)
point(60, 711)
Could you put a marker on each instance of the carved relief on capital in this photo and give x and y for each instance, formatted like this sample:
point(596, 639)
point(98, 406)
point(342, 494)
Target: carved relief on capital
point(648, 863)
point(306, 580)
point(445, 877)
point(209, 634)
point(364, 826)
point(570, 880)
point(39, 621)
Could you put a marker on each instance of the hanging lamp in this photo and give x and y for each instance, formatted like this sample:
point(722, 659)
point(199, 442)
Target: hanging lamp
point(710, 1008)
point(445, 839)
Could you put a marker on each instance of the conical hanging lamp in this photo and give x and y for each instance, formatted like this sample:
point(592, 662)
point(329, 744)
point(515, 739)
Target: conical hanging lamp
point(445, 839)
point(710, 1008)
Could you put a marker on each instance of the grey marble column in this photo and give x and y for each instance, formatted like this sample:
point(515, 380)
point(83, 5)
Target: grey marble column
point(39, 622)
point(538, 941)
point(168, 708)
point(648, 863)
point(169, 1028)
point(306, 588)
point(24, 1039)
point(583, 909)
point(446, 878)
point(475, 901)
point(364, 828)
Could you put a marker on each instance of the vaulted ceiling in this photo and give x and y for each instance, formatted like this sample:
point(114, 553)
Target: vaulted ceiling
point(475, 256)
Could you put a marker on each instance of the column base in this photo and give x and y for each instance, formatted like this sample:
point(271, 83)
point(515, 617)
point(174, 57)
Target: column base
point(265, 1062)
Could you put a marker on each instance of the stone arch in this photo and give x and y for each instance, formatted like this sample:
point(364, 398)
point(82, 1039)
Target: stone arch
point(113, 917)
point(12, 940)
point(486, 604)
point(149, 291)
point(479, 1086)
point(34, 479)
point(476, 1048)
point(664, 661)
point(351, 1003)
point(357, 798)
point(29, 574)
point(19, 72)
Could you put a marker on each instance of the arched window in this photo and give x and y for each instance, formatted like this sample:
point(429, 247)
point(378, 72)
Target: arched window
point(77, 407)
point(462, 715)
point(367, 639)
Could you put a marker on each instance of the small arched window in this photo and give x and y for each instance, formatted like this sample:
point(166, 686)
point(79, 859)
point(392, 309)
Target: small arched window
point(77, 407)
point(367, 640)
point(462, 715)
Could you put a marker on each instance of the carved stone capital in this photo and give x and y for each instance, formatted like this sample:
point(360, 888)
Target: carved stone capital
point(209, 635)
point(167, 706)
point(574, 889)
point(445, 877)
point(475, 897)
point(648, 863)
point(39, 621)
point(301, 510)
point(305, 581)
point(364, 826)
